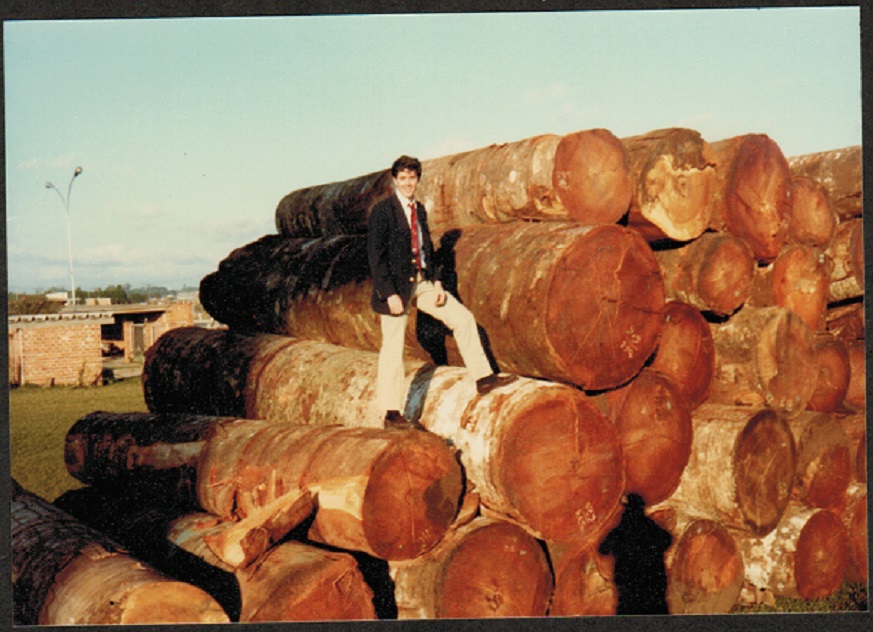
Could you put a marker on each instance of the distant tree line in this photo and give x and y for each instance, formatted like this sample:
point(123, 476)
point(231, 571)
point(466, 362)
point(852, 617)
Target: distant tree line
point(19, 303)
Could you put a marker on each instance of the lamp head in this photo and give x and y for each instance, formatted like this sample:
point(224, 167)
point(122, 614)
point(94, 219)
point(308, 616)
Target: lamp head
point(48, 185)
point(77, 171)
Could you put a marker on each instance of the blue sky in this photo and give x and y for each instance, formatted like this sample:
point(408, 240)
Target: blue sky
point(190, 131)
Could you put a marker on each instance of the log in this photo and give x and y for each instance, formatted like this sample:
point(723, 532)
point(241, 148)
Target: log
point(686, 352)
point(484, 569)
point(840, 172)
point(855, 427)
point(674, 181)
point(713, 273)
point(580, 304)
point(291, 581)
point(764, 357)
point(654, 426)
point(798, 279)
point(846, 321)
point(580, 177)
point(855, 520)
point(753, 199)
point(64, 573)
point(847, 252)
point(741, 469)
point(832, 359)
point(584, 583)
point(812, 221)
point(704, 564)
point(856, 394)
point(805, 556)
point(507, 439)
point(387, 493)
point(824, 460)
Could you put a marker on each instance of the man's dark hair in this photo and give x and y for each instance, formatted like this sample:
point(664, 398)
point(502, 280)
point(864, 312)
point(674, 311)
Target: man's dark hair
point(406, 162)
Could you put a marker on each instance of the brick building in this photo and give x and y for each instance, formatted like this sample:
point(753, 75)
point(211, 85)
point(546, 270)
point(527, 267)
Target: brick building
point(70, 348)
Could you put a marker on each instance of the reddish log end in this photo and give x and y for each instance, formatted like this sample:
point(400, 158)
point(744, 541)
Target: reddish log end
point(584, 585)
point(855, 519)
point(813, 220)
point(856, 394)
point(822, 556)
point(832, 359)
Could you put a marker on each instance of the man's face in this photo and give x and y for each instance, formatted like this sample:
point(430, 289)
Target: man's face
point(406, 182)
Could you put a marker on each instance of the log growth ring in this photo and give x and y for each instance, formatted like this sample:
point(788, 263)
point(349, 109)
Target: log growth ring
point(605, 307)
point(561, 466)
point(763, 472)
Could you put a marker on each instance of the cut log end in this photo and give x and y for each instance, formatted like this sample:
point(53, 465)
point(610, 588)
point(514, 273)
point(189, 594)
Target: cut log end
point(726, 274)
point(170, 602)
point(706, 570)
point(834, 372)
point(563, 466)
point(592, 177)
point(612, 281)
point(813, 220)
point(764, 468)
point(417, 467)
point(822, 556)
point(785, 362)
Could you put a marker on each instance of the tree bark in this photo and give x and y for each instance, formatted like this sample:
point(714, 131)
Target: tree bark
point(686, 352)
point(840, 172)
point(855, 519)
point(654, 426)
point(578, 304)
point(812, 221)
point(832, 359)
point(674, 181)
point(580, 177)
point(584, 581)
point(824, 460)
point(507, 440)
point(704, 565)
point(713, 273)
point(741, 468)
point(847, 252)
point(764, 357)
point(754, 193)
point(805, 556)
point(798, 279)
point(64, 573)
point(484, 569)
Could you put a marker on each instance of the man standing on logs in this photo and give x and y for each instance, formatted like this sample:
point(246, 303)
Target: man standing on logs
point(401, 258)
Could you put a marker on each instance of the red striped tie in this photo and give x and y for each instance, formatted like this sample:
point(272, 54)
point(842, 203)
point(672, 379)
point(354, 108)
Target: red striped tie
point(413, 226)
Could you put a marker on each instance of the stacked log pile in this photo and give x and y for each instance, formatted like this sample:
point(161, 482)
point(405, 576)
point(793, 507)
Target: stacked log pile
point(687, 322)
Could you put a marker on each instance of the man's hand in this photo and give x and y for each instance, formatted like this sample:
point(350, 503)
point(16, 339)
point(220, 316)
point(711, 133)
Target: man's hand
point(441, 294)
point(395, 304)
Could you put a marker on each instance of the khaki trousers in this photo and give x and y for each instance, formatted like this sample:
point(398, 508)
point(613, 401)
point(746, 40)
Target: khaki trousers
point(391, 378)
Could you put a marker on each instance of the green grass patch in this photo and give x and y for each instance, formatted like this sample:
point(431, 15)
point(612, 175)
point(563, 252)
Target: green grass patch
point(39, 419)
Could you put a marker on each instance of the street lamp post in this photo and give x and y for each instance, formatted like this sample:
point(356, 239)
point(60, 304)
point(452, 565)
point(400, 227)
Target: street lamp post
point(66, 203)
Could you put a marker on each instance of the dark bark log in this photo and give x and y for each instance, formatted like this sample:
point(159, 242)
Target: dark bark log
point(813, 220)
point(654, 426)
point(507, 439)
point(798, 280)
point(741, 468)
point(754, 193)
point(840, 172)
point(674, 173)
point(484, 569)
point(764, 357)
point(832, 359)
point(578, 304)
point(805, 556)
point(65, 573)
point(824, 460)
point(583, 176)
point(686, 352)
point(713, 273)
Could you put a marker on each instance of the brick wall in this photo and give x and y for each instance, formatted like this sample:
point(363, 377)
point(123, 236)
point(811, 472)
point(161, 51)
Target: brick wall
point(62, 354)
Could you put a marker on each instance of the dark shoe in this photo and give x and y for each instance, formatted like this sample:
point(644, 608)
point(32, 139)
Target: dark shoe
point(393, 419)
point(487, 384)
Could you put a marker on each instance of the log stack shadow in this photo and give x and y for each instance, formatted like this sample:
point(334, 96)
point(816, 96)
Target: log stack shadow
point(687, 321)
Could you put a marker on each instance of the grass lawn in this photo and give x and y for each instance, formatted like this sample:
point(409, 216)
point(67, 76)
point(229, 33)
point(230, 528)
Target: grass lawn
point(39, 419)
